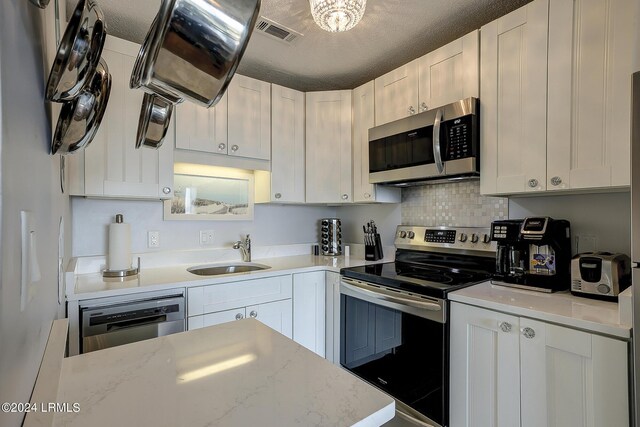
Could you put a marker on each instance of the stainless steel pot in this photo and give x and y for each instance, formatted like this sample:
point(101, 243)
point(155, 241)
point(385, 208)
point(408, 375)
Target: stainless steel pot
point(78, 54)
point(155, 117)
point(194, 48)
point(80, 118)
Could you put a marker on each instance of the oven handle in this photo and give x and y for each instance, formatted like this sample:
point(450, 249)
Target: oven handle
point(381, 294)
point(437, 155)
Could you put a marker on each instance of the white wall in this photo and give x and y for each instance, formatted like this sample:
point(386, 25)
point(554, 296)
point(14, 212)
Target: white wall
point(30, 181)
point(272, 225)
point(605, 216)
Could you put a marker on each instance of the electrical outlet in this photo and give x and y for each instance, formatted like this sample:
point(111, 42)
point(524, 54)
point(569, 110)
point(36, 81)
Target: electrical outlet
point(206, 237)
point(586, 243)
point(153, 239)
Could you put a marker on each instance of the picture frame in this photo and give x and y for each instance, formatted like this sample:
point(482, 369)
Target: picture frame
point(227, 196)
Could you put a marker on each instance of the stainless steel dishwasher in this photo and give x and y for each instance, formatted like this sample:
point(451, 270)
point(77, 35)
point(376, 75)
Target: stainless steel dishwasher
point(108, 322)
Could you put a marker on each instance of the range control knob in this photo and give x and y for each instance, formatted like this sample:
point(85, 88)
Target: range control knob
point(463, 237)
point(411, 234)
point(474, 238)
point(486, 238)
point(603, 289)
point(403, 234)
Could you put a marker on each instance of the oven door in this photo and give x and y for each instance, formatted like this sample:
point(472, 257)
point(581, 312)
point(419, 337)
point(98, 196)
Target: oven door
point(398, 342)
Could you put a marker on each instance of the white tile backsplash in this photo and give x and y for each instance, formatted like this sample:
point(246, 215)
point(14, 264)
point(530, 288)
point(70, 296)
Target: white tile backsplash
point(451, 204)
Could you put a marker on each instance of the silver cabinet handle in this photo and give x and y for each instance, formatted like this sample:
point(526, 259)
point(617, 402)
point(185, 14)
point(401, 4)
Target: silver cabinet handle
point(423, 107)
point(533, 183)
point(239, 316)
point(528, 332)
point(253, 314)
point(278, 195)
point(436, 141)
point(166, 190)
point(556, 180)
point(505, 326)
point(345, 196)
point(411, 110)
point(234, 148)
point(222, 146)
point(367, 195)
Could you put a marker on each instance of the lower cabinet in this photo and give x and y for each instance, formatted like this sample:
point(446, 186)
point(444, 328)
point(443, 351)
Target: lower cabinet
point(309, 310)
point(515, 371)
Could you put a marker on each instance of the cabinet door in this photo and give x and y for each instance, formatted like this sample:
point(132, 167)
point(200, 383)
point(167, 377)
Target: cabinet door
point(287, 145)
point(397, 93)
point(328, 154)
point(363, 120)
point(332, 323)
point(572, 378)
point(112, 165)
point(450, 73)
point(513, 80)
point(276, 315)
point(249, 123)
point(591, 50)
point(485, 368)
point(202, 129)
point(197, 322)
point(309, 311)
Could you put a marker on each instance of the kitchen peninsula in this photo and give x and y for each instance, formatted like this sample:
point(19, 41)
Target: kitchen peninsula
point(235, 374)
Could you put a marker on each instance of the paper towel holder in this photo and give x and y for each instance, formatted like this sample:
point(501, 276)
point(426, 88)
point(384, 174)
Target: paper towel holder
point(122, 273)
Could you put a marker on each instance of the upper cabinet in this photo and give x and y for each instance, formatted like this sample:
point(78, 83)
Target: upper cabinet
point(445, 75)
point(328, 151)
point(249, 120)
point(285, 182)
point(111, 166)
point(513, 76)
point(591, 50)
point(202, 129)
point(561, 123)
point(363, 120)
point(450, 73)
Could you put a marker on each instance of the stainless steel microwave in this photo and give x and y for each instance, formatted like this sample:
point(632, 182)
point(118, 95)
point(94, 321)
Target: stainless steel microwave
point(436, 145)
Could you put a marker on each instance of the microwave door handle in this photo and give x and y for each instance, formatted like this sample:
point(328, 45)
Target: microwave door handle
point(436, 141)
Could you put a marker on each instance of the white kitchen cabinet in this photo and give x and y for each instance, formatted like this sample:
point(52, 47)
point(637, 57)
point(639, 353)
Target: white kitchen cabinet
point(363, 120)
point(513, 76)
point(508, 370)
point(328, 151)
point(285, 182)
point(276, 315)
point(332, 322)
point(591, 50)
point(309, 310)
point(450, 73)
point(249, 118)
point(443, 76)
point(202, 129)
point(396, 93)
point(111, 166)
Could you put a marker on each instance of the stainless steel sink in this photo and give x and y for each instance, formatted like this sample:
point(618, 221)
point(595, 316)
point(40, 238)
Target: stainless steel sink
point(214, 270)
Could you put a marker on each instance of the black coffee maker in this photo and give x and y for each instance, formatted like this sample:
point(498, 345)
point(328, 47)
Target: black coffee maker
point(533, 253)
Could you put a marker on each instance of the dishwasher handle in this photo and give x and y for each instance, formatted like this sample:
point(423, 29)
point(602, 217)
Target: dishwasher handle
point(142, 321)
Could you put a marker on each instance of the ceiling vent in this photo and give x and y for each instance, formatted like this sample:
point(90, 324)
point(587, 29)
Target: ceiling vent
point(277, 31)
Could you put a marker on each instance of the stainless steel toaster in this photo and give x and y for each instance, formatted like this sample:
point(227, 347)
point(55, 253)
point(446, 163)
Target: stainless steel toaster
point(602, 274)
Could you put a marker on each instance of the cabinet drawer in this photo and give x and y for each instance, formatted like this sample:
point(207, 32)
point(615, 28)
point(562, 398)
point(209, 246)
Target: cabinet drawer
point(225, 296)
point(202, 321)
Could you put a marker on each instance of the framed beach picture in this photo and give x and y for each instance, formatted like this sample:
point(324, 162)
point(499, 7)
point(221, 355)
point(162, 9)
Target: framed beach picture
point(226, 197)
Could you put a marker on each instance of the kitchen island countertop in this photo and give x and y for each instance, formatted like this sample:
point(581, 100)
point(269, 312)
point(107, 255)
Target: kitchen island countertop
point(235, 374)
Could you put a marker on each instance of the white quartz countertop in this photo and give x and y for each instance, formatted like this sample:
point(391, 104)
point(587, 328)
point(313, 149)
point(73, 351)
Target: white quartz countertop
point(235, 374)
point(559, 307)
point(93, 285)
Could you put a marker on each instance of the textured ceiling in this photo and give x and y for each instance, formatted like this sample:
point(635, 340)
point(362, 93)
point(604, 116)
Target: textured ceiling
point(391, 33)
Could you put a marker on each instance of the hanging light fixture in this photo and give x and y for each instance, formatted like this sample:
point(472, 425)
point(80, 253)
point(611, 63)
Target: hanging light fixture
point(337, 15)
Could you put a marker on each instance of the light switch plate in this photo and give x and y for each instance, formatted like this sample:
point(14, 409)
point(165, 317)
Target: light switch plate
point(30, 268)
point(206, 237)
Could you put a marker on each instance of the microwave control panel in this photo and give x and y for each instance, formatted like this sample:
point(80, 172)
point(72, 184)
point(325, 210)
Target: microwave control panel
point(460, 145)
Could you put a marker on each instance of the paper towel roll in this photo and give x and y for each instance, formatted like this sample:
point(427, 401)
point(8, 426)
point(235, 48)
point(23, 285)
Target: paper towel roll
point(119, 257)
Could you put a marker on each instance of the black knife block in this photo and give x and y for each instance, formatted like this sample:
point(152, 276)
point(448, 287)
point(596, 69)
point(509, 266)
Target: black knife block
point(373, 252)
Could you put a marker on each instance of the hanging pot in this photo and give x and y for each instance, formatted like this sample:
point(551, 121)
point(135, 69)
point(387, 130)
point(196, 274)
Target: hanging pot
point(155, 117)
point(194, 48)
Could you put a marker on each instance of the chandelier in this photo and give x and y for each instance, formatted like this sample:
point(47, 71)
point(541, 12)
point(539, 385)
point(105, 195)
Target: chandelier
point(337, 15)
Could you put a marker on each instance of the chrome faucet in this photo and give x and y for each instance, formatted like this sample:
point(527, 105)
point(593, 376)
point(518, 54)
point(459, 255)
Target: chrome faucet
point(245, 248)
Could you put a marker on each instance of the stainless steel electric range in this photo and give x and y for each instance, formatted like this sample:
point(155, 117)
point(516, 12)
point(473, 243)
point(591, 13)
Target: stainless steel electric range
point(394, 317)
